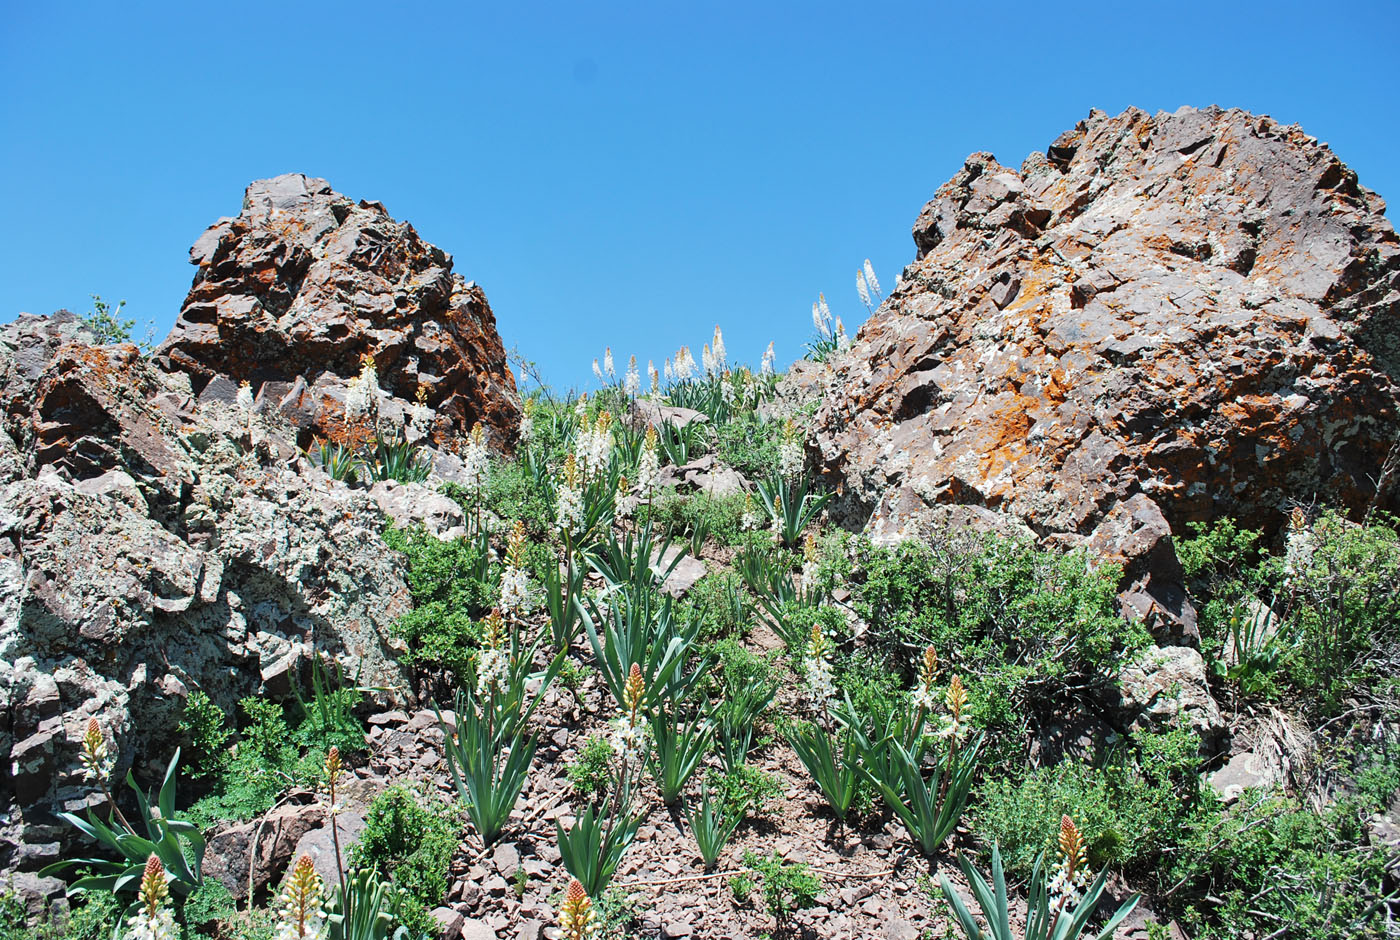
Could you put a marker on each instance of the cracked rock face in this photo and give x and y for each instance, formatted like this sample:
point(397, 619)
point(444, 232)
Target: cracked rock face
point(1160, 319)
point(304, 282)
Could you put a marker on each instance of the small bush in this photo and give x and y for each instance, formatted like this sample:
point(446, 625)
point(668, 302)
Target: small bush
point(787, 886)
point(1129, 810)
point(413, 845)
point(442, 629)
point(590, 773)
point(202, 726)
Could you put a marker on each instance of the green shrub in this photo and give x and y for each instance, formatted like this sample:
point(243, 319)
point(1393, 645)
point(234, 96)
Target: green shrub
point(1031, 631)
point(721, 604)
point(441, 630)
point(717, 516)
point(202, 726)
point(787, 886)
point(590, 773)
point(749, 445)
point(413, 844)
point(265, 762)
point(95, 915)
point(1129, 810)
point(745, 790)
point(1270, 861)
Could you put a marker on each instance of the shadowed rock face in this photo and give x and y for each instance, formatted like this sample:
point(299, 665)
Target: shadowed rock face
point(304, 282)
point(1160, 319)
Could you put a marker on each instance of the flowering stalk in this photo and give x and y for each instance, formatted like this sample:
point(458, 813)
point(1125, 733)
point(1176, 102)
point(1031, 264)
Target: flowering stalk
point(153, 919)
point(766, 367)
point(98, 760)
point(333, 771)
point(1067, 886)
point(301, 902)
point(515, 581)
point(820, 687)
point(475, 466)
point(649, 466)
point(495, 660)
point(924, 697)
point(576, 920)
point(957, 700)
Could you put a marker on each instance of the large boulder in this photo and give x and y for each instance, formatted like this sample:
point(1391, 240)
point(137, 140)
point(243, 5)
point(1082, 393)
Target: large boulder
point(292, 294)
point(151, 545)
point(1160, 319)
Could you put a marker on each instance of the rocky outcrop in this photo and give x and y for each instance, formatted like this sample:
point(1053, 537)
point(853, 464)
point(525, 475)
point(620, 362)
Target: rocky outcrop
point(151, 544)
point(1159, 319)
point(295, 291)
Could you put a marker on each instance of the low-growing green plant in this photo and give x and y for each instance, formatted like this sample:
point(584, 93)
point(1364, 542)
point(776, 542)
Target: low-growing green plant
point(712, 822)
point(791, 504)
point(329, 716)
point(175, 841)
point(639, 629)
point(410, 839)
point(590, 773)
point(1129, 809)
point(746, 790)
point(833, 760)
point(205, 733)
point(397, 459)
point(593, 847)
point(92, 915)
point(451, 588)
point(105, 322)
point(680, 742)
point(488, 766)
point(337, 459)
point(718, 601)
point(788, 887)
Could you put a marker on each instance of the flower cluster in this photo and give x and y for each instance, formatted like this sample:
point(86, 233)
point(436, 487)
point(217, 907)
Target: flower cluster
point(821, 317)
point(867, 287)
point(791, 458)
point(956, 700)
point(685, 365)
point(649, 464)
point(750, 519)
point(475, 462)
point(1067, 885)
point(843, 342)
point(768, 365)
point(420, 415)
point(515, 582)
point(568, 498)
point(633, 381)
point(1300, 546)
point(360, 396)
point(625, 503)
point(303, 914)
point(97, 757)
point(494, 663)
point(717, 354)
point(153, 919)
point(820, 686)
point(334, 768)
point(576, 920)
point(244, 398)
point(527, 420)
point(925, 699)
point(630, 728)
point(654, 378)
point(593, 446)
point(811, 562)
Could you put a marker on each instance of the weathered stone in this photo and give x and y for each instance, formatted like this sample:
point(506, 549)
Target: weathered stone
point(278, 835)
point(449, 923)
point(413, 504)
point(1166, 687)
point(683, 574)
point(1244, 771)
point(304, 282)
point(1192, 311)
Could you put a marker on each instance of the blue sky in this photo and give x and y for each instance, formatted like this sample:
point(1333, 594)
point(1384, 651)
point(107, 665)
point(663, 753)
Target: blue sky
point(624, 174)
